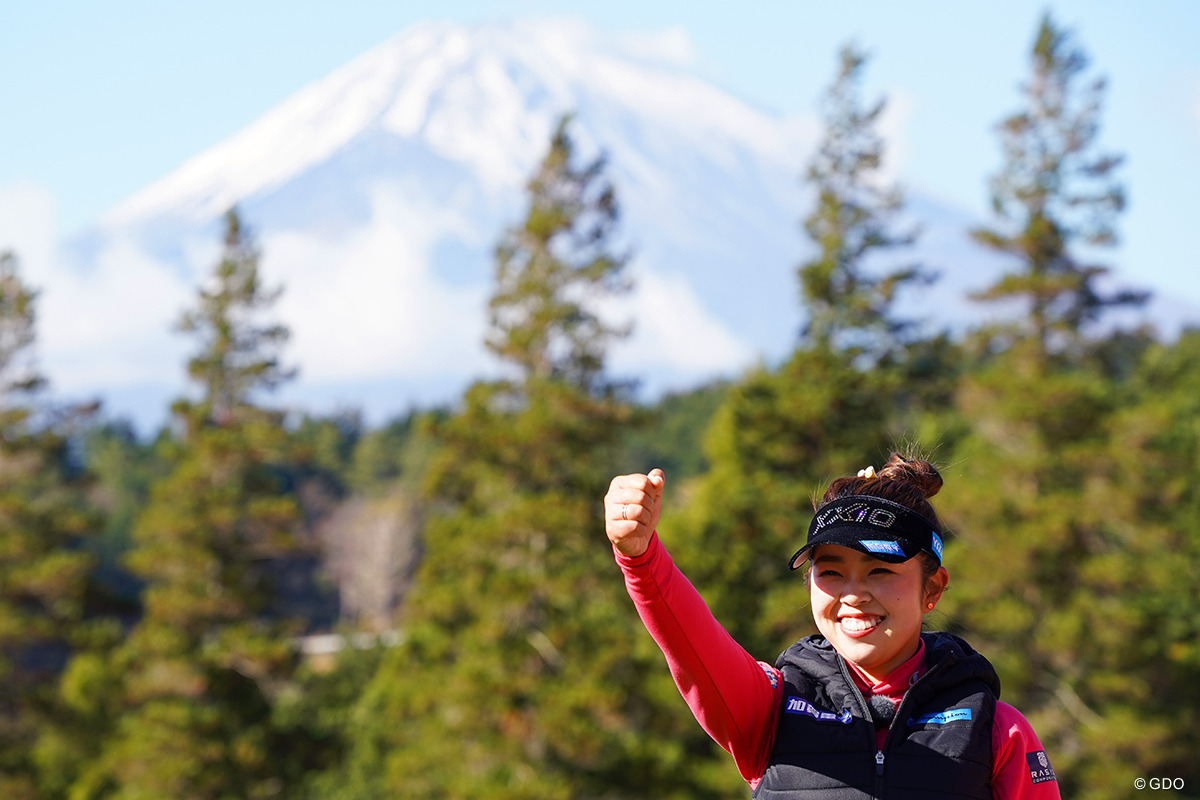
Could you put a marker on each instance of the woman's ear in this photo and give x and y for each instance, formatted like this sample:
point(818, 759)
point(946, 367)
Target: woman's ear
point(937, 584)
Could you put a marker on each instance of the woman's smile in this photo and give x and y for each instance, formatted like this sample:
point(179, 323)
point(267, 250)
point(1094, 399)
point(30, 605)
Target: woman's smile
point(870, 610)
point(857, 626)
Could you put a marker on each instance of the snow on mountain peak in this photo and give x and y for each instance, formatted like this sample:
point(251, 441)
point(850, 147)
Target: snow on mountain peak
point(379, 191)
point(485, 97)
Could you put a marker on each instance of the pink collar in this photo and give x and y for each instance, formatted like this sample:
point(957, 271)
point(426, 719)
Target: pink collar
point(896, 683)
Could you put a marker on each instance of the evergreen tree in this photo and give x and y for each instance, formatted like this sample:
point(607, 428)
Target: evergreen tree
point(520, 676)
point(846, 292)
point(1074, 523)
point(196, 677)
point(1031, 533)
point(326, 447)
point(43, 568)
point(122, 469)
point(239, 357)
point(1049, 564)
point(1147, 691)
point(783, 433)
point(1056, 196)
point(551, 270)
point(779, 438)
point(672, 437)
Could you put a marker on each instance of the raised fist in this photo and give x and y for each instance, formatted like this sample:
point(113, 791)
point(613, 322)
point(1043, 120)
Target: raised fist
point(631, 510)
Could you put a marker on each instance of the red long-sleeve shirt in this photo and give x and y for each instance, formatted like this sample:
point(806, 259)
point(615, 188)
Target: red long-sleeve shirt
point(736, 698)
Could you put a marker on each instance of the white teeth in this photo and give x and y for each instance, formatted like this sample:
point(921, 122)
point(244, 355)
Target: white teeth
point(859, 623)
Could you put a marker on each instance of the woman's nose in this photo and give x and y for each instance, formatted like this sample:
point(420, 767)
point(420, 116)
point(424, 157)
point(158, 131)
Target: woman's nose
point(855, 593)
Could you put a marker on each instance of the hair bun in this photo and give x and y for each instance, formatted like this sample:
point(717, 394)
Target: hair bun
point(916, 472)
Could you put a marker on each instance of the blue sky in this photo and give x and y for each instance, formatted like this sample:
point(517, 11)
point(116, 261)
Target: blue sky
point(100, 99)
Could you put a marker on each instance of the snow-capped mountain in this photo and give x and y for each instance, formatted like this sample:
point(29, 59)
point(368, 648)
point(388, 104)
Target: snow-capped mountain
point(378, 193)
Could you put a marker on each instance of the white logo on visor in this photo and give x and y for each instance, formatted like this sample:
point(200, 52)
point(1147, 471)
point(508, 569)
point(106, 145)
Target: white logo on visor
point(879, 546)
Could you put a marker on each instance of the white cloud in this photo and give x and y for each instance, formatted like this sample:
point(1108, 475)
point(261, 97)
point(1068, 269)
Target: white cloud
point(708, 185)
point(674, 331)
point(27, 225)
point(672, 44)
point(371, 307)
point(111, 325)
point(893, 127)
point(104, 325)
point(368, 306)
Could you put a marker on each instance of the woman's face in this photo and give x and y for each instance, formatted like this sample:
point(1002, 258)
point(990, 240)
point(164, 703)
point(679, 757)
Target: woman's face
point(870, 610)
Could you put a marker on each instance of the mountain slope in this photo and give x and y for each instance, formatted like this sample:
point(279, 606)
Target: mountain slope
point(379, 192)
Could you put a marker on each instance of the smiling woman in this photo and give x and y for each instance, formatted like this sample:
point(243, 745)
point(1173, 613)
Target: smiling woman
point(870, 705)
point(871, 611)
point(875, 548)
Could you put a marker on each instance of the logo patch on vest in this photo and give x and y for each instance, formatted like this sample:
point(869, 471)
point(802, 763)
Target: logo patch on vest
point(1040, 770)
point(942, 717)
point(798, 705)
point(882, 546)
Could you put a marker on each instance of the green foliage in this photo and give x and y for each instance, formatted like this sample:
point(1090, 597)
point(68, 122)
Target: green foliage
point(326, 446)
point(519, 676)
point(18, 332)
point(122, 470)
point(781, 435)
point(1057, 566)
point(551, 268)
point(399, 450)
point(237, 356)
point(1056, 197)
point(1071, 460)
point(671, 433)
point(778, 438)
point(1069, 558)
point(43, 566)
point(847, 297)
point(189, 692)
point(322, 712)
point(1155, 451)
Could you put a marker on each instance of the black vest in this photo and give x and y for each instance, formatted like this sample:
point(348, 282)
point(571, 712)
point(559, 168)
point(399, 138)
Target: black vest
point(938, 746)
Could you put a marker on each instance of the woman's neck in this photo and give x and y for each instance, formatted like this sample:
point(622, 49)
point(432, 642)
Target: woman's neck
point(895, 680)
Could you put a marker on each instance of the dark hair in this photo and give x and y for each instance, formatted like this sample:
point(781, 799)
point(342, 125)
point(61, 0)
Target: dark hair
point(907, 481)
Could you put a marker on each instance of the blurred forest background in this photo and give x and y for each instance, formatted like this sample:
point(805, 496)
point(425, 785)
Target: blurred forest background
point(255, 605)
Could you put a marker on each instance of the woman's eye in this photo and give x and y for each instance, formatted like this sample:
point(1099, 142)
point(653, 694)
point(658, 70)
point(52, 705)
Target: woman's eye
point(828, 573)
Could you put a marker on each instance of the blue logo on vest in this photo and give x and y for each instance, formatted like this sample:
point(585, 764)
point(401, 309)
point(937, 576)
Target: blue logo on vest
point(798, 705)
point(942, 717)
point(880, 546)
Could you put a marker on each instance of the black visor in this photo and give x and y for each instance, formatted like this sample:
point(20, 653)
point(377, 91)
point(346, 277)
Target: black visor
point(880, 528)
